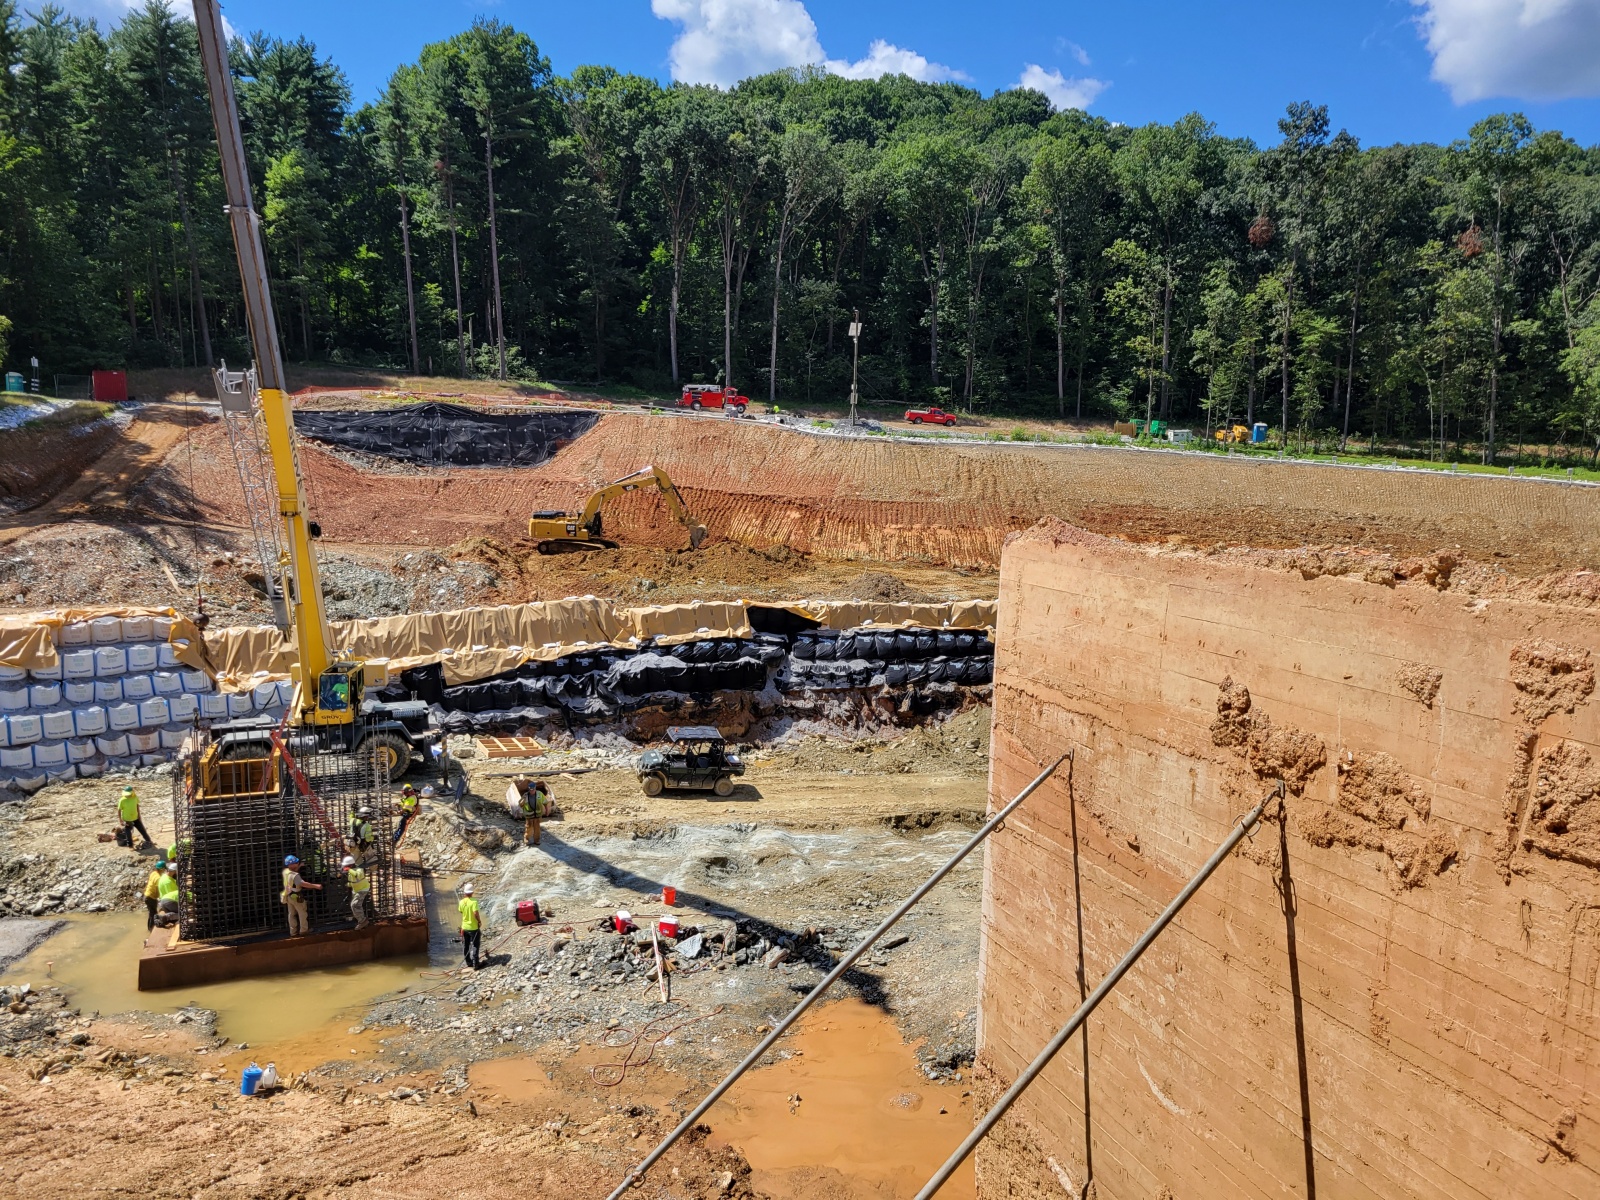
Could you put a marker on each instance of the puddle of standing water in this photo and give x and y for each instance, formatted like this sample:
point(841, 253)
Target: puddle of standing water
point(867, 1122)
point(96, 959)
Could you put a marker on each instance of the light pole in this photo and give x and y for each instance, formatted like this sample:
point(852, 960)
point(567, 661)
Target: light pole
point(855, 365)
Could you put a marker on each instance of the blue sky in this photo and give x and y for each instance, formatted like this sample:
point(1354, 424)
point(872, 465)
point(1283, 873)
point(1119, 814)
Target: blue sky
point(1390, 70)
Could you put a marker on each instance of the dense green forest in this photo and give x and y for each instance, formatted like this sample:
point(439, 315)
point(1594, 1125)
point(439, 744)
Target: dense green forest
point(486, 217)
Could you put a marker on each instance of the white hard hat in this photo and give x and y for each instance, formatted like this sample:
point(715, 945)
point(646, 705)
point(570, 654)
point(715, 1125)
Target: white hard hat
point(428, 791)
point(466, 890)
point(348, 861)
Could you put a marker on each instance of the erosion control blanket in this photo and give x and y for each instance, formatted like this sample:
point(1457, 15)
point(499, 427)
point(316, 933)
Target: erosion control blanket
point(447, 435)
point(475, 643)
point(31, 640)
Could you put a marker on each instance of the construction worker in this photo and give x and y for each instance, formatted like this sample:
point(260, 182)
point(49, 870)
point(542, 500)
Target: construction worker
point(361, 832)
point(128, 811)
point(167, 904)
point(293, 896)
point(408, 809)
point(152, 894)
point(360, 889)
point(535, 802)
point(471, 927)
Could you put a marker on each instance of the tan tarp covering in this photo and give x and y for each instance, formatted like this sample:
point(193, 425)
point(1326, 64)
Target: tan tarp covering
point(474, 643)
point(28, 640)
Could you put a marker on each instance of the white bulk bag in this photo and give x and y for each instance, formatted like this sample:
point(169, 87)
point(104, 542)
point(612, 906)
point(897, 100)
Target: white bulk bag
point(161, 628)
point(155, 711)
point(80, 749)
point(105, 630)
point(184, 707)
point(48, 674)
point(87, 722)
point(50, 755)
point(213, 706)
point(195, 681)
point(167, 683)
point(65, 775)
point(29, 783)
point(12, 674)
point(110, 660)
point(136, 629)
point(166, 656)
point(137, 687)
point(144, 741)
point(265, 695)
point(113, 745)
point(57, 723)
point(44, 695)
point(77, 664)
point(239, 704)
point(75, 633)
point(17, 759)
point(13, 699)
point(91, 768)
point(77, 693)
point(107, 690)
point(141, 658)
point(123, 716)
point(24, 728)
point(173, 737)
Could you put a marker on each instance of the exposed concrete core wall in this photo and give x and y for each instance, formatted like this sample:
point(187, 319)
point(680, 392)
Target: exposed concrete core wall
point(1427, 1022)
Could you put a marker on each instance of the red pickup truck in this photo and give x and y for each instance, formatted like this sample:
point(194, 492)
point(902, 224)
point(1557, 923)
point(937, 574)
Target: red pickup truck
point(711, 395)
point(934, 416)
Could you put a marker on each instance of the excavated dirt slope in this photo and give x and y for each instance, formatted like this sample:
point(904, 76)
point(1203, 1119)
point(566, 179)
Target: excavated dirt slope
point(1393, 989)
point(761, 486)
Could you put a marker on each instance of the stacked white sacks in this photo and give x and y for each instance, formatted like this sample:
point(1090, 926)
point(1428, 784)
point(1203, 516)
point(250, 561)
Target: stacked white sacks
point(117, 698)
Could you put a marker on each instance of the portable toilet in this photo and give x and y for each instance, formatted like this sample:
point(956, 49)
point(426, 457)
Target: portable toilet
point(14, 382)
point(1258, 433)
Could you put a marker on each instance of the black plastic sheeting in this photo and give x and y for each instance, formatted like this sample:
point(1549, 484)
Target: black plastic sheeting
point(604, 684)
point(448, 435)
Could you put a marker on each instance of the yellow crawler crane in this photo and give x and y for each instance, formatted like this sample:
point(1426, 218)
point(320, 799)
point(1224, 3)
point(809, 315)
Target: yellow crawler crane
point(557, 531)
point(333, 710)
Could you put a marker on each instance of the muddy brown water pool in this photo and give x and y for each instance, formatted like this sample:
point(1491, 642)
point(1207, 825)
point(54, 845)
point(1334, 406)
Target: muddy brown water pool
point(94, 958)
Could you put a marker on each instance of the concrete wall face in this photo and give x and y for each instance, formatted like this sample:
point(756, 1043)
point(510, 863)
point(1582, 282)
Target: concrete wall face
point(1424, 1019)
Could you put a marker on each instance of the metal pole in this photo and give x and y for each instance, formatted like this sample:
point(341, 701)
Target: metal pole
point(637, 1174)
point(1052, 1048)
point(855, 362)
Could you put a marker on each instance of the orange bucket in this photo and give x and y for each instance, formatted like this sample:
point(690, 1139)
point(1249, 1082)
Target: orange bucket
point(669, 895)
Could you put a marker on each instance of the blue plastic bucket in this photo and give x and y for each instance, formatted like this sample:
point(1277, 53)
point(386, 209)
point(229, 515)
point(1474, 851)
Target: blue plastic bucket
point(248, 1078)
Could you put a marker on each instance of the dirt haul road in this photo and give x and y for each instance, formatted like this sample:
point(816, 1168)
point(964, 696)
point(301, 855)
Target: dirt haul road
point(761, 486)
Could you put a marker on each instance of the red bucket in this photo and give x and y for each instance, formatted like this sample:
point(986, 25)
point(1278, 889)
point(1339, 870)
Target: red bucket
point(667, 927)
point(669, 895)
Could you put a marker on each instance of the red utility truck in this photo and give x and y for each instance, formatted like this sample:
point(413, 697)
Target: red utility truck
point(711, 395)
point(934, 416)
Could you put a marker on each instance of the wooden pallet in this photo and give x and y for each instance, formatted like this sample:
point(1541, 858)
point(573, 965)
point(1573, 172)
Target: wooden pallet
point(510, 747)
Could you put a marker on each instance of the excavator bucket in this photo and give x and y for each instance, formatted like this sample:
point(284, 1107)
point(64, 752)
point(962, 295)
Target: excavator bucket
point(697, 534)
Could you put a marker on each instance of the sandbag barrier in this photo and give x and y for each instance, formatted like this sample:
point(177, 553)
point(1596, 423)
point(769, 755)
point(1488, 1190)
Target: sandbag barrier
point(604, 685)
point(113, 693)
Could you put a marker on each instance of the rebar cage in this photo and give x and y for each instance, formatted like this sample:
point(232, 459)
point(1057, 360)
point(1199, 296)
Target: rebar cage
point(239, 811)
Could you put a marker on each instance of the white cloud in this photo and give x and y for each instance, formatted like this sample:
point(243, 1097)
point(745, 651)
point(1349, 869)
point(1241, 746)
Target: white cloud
point(1063, 92)
point(724, 41)
point(1527, 49)
point(885, 58)
point(1067, 46)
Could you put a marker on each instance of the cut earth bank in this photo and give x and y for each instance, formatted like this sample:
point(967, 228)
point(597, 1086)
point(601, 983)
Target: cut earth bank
point(508, 1078)
point(1394, 988)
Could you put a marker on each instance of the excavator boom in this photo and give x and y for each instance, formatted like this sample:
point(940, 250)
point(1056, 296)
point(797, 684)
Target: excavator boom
point(558, 530)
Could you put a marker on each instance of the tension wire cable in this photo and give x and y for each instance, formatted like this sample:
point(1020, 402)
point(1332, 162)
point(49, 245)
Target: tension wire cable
point(1245, 825)
point(636, 1175)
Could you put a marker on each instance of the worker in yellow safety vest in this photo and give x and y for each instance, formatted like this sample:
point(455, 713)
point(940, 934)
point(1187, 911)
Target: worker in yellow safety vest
point(360, 840)
point(471, 927)
point(360, 889)
point(152, 894)
point(128, 812)
point(293, 896)
point(408, 808)
point(167, 904)
point(534, 802)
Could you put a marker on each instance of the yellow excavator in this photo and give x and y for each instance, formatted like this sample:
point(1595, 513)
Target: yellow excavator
point(557, 532)
point(258, 416)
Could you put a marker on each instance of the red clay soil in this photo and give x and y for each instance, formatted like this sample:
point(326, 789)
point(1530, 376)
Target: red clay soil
point(894, 502)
